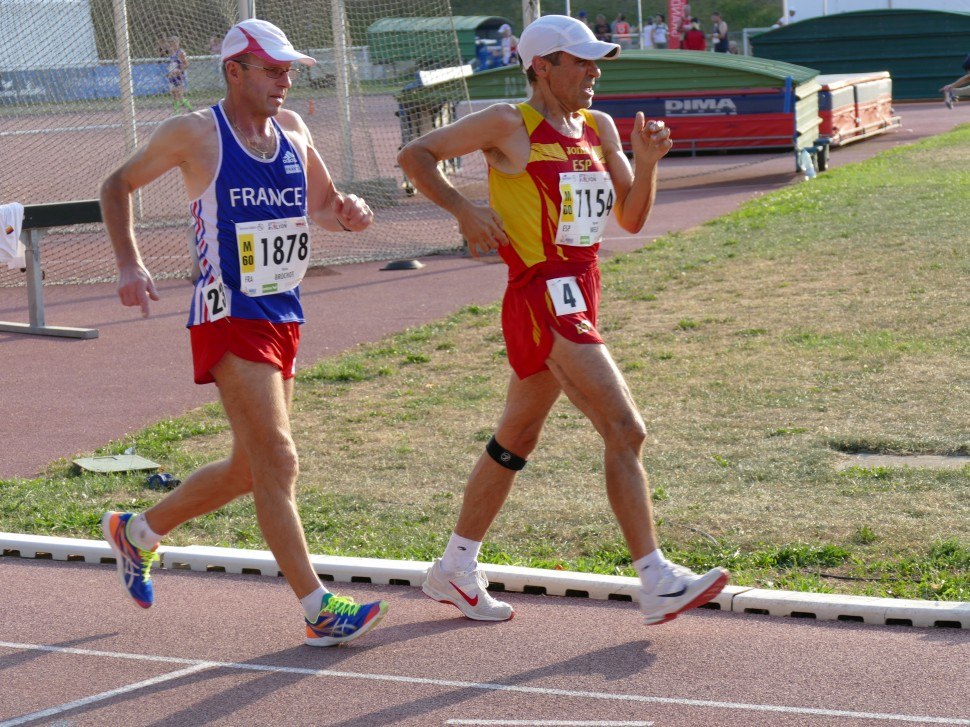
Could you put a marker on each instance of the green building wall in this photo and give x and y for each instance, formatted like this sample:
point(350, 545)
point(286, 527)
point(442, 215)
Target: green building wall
point(921, 49)
point(659, 71)
point(393, 40)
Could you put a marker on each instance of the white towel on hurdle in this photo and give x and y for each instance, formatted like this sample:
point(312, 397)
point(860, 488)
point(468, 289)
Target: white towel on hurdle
point(11, 248)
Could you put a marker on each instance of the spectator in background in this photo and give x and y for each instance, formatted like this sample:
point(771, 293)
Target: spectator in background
point(215, 45)
point(660, 32)
point(175, 74)
point(508, 43)
point(694, 38)
point(785, 19)
point(621, 31)
point(602, 30)
point(719, 34)
point(584, 18)
point(646, 35)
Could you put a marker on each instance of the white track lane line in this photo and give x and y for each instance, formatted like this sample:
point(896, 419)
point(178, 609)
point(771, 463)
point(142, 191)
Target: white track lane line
point(547, 723)
point(68, 706)
point(540, 691)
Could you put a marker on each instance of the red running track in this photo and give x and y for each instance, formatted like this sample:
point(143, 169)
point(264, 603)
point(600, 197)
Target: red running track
point(227, 650)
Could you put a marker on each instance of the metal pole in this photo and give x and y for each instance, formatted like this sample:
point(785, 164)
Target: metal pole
point(339, 19)
point(246, 9)
point(127, 92)
point(530, 12)
point(568, 10)
point(640, 23)
point(35, 284)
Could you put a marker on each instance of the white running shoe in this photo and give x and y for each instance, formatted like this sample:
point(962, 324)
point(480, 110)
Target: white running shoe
point(466, 590)
point(678, 590)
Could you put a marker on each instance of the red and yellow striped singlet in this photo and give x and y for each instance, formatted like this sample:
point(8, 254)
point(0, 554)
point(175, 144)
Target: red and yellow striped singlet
point(529, 203)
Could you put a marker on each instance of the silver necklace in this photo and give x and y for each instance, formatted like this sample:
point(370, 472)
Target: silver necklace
point(252, 147)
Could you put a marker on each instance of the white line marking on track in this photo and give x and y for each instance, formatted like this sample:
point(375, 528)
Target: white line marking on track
point(33, 716)
point(73, 129)
point(541, 691)
point(548, 723)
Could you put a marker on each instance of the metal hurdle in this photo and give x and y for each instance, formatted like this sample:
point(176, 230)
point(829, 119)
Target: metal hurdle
point(37, 219)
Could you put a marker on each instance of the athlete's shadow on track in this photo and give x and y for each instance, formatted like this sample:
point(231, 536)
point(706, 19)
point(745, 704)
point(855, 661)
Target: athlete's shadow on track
point(242, 690)
point(614, 662)
point(235, 698)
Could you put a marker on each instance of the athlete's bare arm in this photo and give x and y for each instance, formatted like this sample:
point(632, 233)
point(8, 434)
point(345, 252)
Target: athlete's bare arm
point(499, 132)
point(326, 206)
point(182, 141)
point(635, 188)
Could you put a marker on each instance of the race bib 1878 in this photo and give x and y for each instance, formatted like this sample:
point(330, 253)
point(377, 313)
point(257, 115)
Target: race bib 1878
point(273, 255)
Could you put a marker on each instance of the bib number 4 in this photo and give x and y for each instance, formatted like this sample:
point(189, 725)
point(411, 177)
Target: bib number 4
point(566, 296)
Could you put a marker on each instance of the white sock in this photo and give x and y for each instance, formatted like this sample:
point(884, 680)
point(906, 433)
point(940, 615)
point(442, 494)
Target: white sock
point(140, 534)
point(313, 603)
point(650, 567)
point(461, 554)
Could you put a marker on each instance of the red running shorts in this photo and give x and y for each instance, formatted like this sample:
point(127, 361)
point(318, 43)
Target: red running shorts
point(529, 315)
point(253, 340)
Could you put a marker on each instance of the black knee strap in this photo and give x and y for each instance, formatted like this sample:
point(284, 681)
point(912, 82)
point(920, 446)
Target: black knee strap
point(503, 456)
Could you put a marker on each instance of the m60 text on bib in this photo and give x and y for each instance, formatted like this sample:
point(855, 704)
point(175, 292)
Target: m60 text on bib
point(587, 198)
point(273, 255)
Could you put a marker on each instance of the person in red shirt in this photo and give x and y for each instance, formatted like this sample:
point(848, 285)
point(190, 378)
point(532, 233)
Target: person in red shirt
point(694, 38)
point(621, 31)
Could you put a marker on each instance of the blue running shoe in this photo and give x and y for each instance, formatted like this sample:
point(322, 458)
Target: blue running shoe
point(134, 564)
point(341, 620)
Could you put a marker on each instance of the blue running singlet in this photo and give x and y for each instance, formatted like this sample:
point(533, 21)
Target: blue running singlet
point(251, 233)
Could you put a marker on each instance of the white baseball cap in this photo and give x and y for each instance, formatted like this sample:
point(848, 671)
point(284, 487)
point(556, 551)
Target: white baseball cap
point(261, 39)
point(552, 33)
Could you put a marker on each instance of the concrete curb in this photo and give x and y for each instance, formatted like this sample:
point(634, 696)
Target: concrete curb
point(822, 607)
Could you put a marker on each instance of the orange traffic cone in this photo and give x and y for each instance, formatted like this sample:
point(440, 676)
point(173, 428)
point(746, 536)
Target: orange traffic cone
point(312, 108)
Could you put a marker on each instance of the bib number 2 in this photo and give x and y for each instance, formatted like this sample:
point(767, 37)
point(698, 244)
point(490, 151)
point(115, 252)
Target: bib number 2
point(566, 296)
point(214, 296)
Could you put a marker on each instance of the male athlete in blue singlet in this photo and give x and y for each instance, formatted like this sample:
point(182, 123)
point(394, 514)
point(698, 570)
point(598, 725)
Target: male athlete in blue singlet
point(556, 171)
point(255, 181)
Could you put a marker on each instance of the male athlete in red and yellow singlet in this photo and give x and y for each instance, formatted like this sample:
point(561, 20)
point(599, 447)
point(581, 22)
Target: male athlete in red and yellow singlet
point(556, 171)
point(553, 214)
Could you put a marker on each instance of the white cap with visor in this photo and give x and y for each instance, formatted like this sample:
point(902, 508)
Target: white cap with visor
point(552, 33)
point(264, 40)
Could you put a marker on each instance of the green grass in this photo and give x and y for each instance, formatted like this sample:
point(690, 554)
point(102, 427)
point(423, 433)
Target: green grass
point(825, 319)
